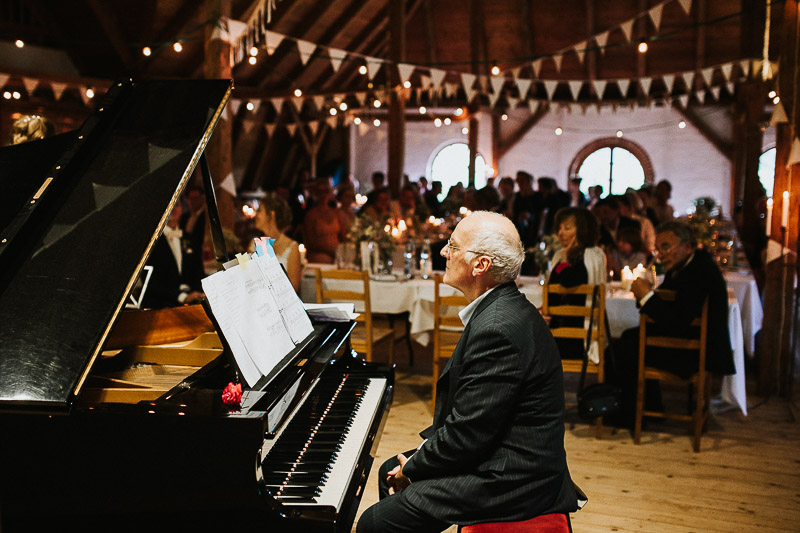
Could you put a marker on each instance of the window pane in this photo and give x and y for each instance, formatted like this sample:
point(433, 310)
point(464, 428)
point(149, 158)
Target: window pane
point(627, 171)
point(766, 170)
point(451, 166)
point(595, 171)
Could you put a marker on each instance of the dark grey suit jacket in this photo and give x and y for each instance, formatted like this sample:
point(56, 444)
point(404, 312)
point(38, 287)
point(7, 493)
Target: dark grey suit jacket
point(495, 451)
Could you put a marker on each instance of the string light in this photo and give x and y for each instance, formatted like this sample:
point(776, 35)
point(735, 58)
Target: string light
point(495, 70)
point(642, 47)
point(343, 106)
point(250, 106)
point(19, 43)
point(252, 60)
point(459, 111)
point(447, 121)
point(16, 95)
point(423, 110)
point(254, 51)
point(146, 51)
point(407, 84)
point(362, 69)
point(356, 121)
point(681, 124)
point(89, 93)
point(333, 111)
point(619, 133)
point(504, 117)
point(377, 122)
point(7, 95)
point(178, 47)
point(772, 94)
point(559, 131)
point(776, 100)
point(376, 104)
point(298, 93)
point(437, 123)
point(465, 130)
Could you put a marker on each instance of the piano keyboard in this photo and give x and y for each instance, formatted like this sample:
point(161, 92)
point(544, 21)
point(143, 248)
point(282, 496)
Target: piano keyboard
point(311, 461)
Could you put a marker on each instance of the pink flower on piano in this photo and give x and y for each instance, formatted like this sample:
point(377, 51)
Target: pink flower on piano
point(232, 395)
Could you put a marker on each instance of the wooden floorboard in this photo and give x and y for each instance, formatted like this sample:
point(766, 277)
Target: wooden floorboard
point(745, 478)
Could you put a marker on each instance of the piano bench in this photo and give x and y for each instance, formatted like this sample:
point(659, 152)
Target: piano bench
point(548, 523)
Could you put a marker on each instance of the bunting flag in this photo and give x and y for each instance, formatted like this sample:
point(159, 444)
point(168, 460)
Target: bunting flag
point(291, 128)
point(493, 98)
point(575, 88)
point(405, 70)
point(361, 96)
point(727, 68)
point(336, 56)
point(523, 84)
point(778, 115)
point(686, 5)
point(313, 126)
point(715, 92)
point(512, 102)
point(424, 81)
point(319, 101)
point(701, 96)
point(550, 87)
point(58, 89)
point(645, 82)
point(277, 103)
point(601, 39)
point(437, 76)
point(684, 100)
point(270, 129)
point(794, 153)
point(627, 28)
point(235, 105)
point(373, 66)
point(574, 109)
point(30, 84)
point(5, 77)
point(497, 84)
point(557, 61)
point(273, 41)
point(536, 66)
point(306, 49)
point(297, 102)
point(730, 87)
point(599, 88)
point(580, 49)
point(533, 105)
point(623, 87)
point(669, 81)
point(688, 79)
point(708, 74)
point(484, 84)
point(450, 89)
point(468, 80)
point(655, 15)
point(332, 122)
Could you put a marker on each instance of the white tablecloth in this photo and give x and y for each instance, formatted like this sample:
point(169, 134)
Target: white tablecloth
point(744, 287)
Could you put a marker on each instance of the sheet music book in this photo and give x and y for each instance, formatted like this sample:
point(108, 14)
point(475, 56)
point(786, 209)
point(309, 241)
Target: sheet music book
point(259, 313)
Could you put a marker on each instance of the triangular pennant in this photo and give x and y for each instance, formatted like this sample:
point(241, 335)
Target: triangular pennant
point(726, 69)
point(235, 104)
point(373, 66)
point(497, 85)
point(450, 89)
point(493, 98)
point(701, 96)
point(645, 82)
point(331, 121)
point(708, 74)
point(277, 103)
point(298, 103)
point(512, 102)
point(655, 15)
point(550, 87)
point(575, 88)
point(58, 89)
point(580, 49)
point(574, 109)
point(626, 28)
point(601, 39)
point(715, 92)
point(483, 83)
point(599, 88)
point(794, 154)
point(536, 66)
point(405, 70)
point(623, 87)
point(336, 56)
point(361, 96)
point(306, 49)
point(313, 126)
point(730, 87)
point(533, 105)
point(554, 108)
point(669, 81)
point(291, 128)
point(270, 128)
point(247, 126)
point(688, 79)
point(424, 81)
point(4, 79)
point(778, 115)
point(467, 81)
point(319, 101)
point(30, 84)
point(686, 5)
point(557, 61)
point(523, 84)
point(744, 65)
point(684, 100)
point(437, 76)
point(515, 72)
point(273, 41)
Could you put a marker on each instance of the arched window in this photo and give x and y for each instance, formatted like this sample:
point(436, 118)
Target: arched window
point(766, 170)
point(613, 163)
point(450, 165)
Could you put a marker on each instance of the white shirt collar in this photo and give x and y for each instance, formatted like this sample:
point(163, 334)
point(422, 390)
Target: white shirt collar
point(466, 313)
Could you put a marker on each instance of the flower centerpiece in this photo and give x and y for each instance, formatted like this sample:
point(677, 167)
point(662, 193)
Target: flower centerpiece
point(544, 252)
point(364, 229)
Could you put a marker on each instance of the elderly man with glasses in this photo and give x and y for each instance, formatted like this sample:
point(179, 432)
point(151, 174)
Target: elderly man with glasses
point(495, 451)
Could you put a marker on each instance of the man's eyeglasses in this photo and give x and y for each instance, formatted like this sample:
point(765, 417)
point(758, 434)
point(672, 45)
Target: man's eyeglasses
point(454, 248)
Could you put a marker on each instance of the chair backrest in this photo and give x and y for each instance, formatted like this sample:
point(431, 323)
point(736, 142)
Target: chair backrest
point(443, 304)
point(347, 295)
point(665, 341)
point(592, 314)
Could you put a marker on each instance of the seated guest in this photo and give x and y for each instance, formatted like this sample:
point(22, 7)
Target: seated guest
point(576, 197)
point(607, 211)
point(694, 276)
point(377, 206)
point(273, 218)
point(432, 198)
point(629, 251)
point(663, 210)
point(409, 207)
point(630, 206)
point(346, 197)
point(323, 230)
point(578, 262)
point(495, 451)
point(177, 268)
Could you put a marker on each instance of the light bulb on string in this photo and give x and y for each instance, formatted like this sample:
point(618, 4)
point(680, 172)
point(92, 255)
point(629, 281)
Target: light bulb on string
point(407, 84)
point(252, 60)
point(437, 122)
point(16, 95)
point(504, 117)
point(178, 47)
point(619, 133)
point(465, 130)
point(376, 104)
point(356, 121)
point(333, 111)
point(343, 106)
point(559, 131)
point(447, 121)
point(146, 51)
point(423, 110)
point(89, 93)
point(298, 93)
point(681, 124)
point(772, 94)
point(253, 51)
point(362, 69)
point(495, 70)
point(642, 47)
point(776, 100)
point(7, 95)
point(459, 111)
point(250, 106)
point(376, 122)
point(19, 43)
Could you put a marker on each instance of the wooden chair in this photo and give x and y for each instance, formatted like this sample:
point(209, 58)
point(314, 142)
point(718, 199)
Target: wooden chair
point(701, 379)
point(596, 315)
point(366, 335)
point(444, 340)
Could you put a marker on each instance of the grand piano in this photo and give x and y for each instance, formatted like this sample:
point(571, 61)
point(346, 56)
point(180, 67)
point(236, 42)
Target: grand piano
point(112, 419)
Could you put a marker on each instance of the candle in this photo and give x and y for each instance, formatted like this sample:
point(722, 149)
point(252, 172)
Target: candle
point(785, 212)
point(626, 277)
point(769, 217)
point(302, 249)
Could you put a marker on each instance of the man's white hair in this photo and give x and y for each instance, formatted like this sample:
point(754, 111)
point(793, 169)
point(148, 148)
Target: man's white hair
point(498, 238)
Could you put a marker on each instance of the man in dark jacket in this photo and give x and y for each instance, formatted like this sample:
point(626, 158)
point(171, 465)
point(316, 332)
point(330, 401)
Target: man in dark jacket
point(495, 451)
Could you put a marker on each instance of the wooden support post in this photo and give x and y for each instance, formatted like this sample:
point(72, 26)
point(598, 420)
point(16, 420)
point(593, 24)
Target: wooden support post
point(219, 151)
point(473, 148)
point(397, 109)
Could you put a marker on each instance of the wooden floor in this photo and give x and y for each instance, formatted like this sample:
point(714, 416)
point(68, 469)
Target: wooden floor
point(745, 478)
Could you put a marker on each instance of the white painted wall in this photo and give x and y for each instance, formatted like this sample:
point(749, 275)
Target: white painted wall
point(683, 156)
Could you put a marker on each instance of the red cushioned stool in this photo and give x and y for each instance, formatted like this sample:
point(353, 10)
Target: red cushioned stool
point(548, 523)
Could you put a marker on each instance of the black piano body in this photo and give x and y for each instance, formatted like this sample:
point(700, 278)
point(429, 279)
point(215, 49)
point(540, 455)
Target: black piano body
point(112, 419)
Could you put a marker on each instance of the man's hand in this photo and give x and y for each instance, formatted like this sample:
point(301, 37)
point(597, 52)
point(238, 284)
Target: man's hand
point(640, 288)
point(396, 479)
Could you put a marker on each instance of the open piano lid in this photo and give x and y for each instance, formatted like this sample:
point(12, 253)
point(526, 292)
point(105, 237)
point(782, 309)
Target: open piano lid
point(72, 247)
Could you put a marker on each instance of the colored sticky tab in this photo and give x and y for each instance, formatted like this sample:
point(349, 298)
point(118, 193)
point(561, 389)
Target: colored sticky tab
point(270, 250)
point(243, 259)
point(261, 245)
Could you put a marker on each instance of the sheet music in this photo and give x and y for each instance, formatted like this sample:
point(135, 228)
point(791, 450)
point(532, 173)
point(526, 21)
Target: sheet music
point(289, 305)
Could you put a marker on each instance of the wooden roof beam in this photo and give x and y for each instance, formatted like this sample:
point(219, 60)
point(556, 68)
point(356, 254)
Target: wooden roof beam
point(690, 114)
point(503, 147)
